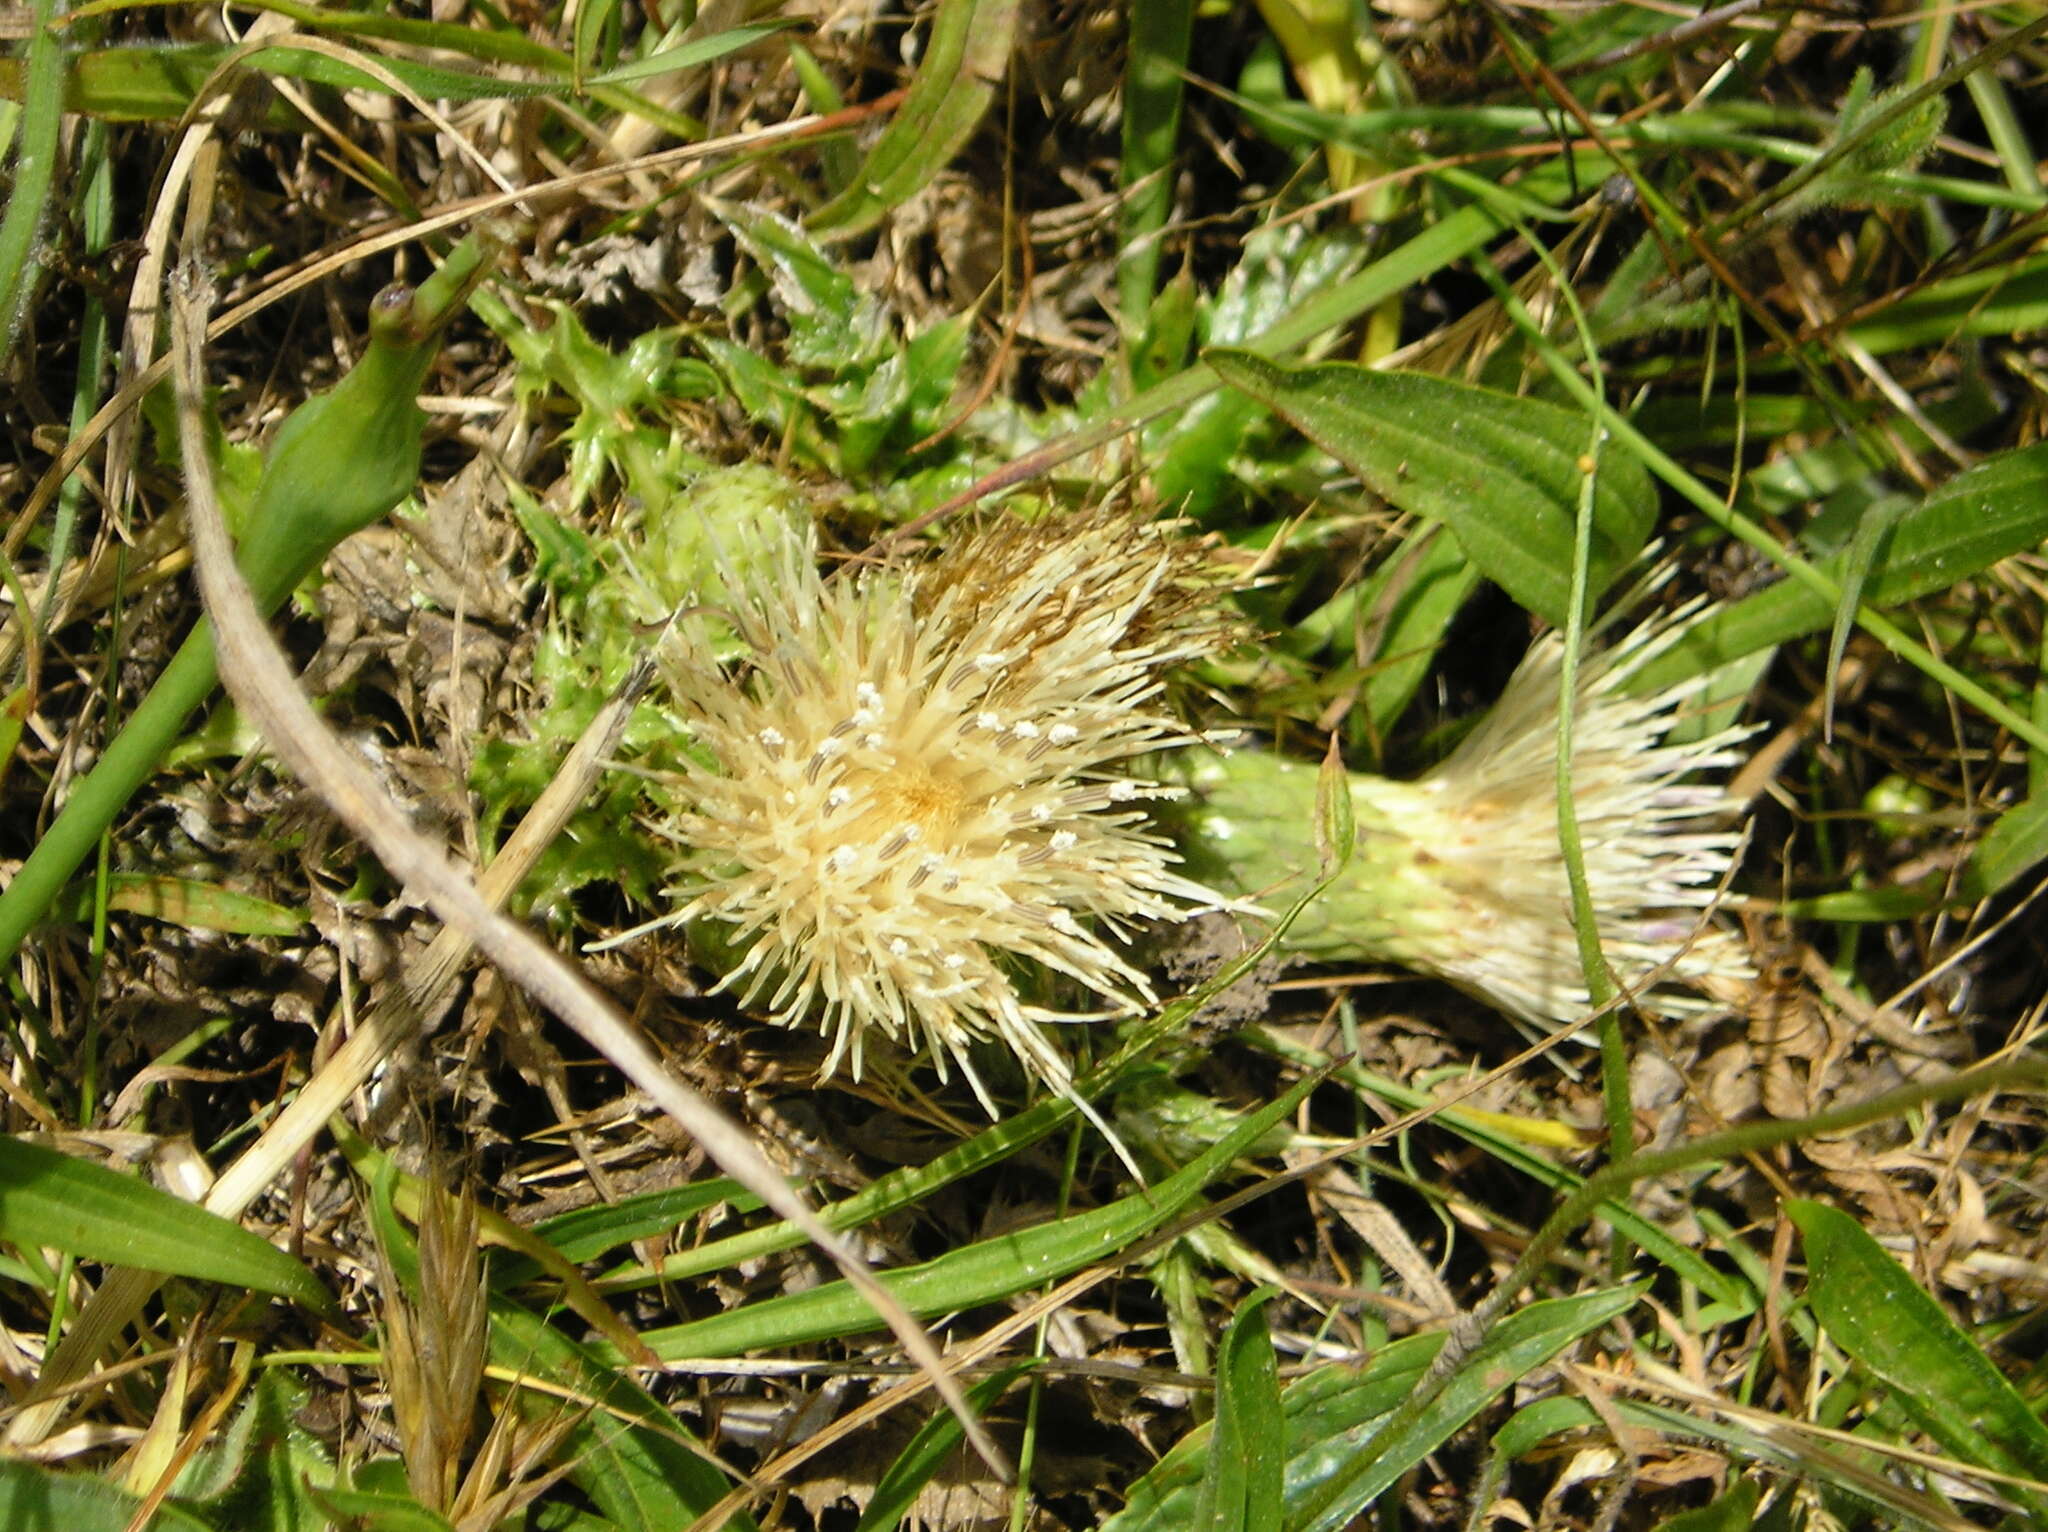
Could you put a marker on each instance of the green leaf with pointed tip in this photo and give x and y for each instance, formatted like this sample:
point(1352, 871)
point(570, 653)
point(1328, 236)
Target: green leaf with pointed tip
point(186, 902)
point(1894, 1329)
point(49, 1199)
point(897, 1491)
point(1502, 473)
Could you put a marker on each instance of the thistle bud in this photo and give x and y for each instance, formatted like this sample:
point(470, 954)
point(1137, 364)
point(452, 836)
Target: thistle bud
point(1459, 874)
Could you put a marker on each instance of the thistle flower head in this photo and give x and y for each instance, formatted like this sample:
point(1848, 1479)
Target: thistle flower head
point(914, 782)
point(1460, 874)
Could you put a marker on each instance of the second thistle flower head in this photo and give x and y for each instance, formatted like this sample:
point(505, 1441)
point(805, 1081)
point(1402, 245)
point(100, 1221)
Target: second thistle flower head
point(915, 778)
point(1460, 874)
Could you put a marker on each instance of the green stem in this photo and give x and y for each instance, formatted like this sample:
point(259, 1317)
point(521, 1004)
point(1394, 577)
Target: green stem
point(341, 461)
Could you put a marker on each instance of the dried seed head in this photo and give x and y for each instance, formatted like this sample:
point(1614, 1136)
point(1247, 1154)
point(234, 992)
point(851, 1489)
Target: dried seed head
point(918, 780)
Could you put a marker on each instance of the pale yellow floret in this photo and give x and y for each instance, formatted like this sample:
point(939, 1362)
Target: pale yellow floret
point(918, 779)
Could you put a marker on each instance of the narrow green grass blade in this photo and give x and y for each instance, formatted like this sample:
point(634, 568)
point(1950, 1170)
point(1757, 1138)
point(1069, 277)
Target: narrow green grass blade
point(33, 171)
point(588, 1233)
point(158, 84)
point(1328, 1416)
point(689, 55)
point(1155, 72)
point(897, 1491)
point(1240, 1490)
point(1990, 512)
point(185, 902)
point(1883, 1319)
point(49, 1199)
point(975, 1274)
point(1516, 1347)
point(1873, 529)
point(1502, 473)
point(964, 61)
point(593, 21)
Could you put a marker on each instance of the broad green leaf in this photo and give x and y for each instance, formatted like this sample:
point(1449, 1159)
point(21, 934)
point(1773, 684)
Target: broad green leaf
point(1883, 1319)
point(935, 1442)
point(976, 1274)
point(1328, 1416)
point(38, 1499)
point(964, 61)
point(1982, 515)
point(1240, 1489)
point(1502, 473)
point(50, 1199)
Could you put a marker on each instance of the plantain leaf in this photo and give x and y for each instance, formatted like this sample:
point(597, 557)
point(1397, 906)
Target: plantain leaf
point(1502, 473)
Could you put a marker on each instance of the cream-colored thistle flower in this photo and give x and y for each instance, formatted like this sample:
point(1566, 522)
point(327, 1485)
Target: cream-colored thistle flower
point(915, 782)
point(1459, 873)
